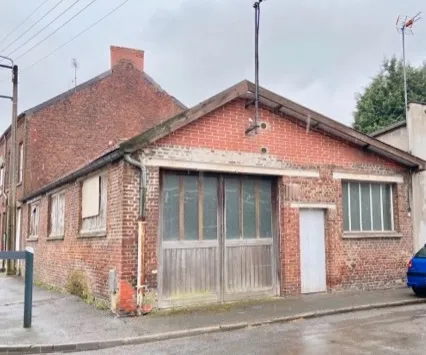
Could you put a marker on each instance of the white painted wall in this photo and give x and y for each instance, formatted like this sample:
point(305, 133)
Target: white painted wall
point(412, 138)
point(397, 138)
point(417, 137)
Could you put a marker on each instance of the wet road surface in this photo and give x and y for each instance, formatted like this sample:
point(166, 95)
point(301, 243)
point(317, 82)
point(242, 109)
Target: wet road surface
point(387, 331)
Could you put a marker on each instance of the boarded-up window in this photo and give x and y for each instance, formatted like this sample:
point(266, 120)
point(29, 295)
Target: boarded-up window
point(367, 206)
point(57, 214)
point(94, 204)
point(90, 197)
point(248, 208)
point(34, 219)
point(189, 207)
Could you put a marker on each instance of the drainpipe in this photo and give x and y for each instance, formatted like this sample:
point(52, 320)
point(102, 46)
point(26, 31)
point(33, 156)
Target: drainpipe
point(141, 229)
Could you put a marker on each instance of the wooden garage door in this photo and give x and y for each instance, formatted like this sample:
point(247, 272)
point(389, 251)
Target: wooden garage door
point(217, 238)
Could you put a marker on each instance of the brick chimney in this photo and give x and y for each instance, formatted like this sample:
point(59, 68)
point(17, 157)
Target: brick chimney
point(121, 53)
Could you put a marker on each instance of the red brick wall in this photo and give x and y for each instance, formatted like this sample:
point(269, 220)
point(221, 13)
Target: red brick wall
point(55, 260)
point(224, 129)
point(71, 132)
point(5, 144)
point(351, 263)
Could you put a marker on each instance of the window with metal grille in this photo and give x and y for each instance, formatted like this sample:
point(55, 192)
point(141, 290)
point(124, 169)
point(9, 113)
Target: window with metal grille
point(191, 207)
point(367, 206)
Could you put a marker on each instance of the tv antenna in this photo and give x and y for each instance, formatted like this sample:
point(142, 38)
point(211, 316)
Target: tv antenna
point(256, 66)
point(404, 26)
point(74, 64)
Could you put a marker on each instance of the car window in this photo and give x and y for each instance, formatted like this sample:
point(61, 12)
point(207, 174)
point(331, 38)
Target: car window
point(421, 253)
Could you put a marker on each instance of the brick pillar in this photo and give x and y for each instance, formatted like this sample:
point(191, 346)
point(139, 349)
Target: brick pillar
point(290, 250)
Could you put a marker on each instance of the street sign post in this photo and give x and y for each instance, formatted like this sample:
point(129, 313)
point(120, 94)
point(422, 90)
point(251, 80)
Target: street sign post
point(28, 256)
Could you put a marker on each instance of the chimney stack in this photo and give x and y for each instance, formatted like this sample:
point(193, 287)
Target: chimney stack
point(134, 56)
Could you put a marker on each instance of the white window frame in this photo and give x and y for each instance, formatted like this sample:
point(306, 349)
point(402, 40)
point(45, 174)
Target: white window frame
point(54, 209)
point(21, 162)
point(35, 205)
point(2, 178)
point(382, 186)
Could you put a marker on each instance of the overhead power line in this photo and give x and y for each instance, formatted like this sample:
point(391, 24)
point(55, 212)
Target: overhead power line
point(76, 36)
point(41, 30)
point(51, 34)
point(23, 21)
point(28, 29)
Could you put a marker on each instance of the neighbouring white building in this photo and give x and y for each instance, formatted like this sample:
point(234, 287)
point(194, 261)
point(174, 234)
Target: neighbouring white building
point(410, 136)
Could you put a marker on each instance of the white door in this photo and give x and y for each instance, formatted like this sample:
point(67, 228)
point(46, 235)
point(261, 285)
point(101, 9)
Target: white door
point(312, 251)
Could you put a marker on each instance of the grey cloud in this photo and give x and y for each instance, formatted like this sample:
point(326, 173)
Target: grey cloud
point(319, 53)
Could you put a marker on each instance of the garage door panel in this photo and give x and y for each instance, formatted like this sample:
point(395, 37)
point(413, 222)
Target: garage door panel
point(190, 271)
point(248, 267)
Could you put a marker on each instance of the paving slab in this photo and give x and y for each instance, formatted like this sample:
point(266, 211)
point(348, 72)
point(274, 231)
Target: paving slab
point(63, 319)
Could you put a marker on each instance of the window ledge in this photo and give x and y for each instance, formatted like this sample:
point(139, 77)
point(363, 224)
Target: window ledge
point(32, 239)
point(92, 234)
point(55, 237)
point(371, 235)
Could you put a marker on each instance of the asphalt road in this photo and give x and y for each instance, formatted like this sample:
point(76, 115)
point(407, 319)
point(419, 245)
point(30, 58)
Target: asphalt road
point(387, 331)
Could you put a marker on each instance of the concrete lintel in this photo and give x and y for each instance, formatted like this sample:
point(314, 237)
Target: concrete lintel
point(399, 179)
point(313, 205)
point(231, 168)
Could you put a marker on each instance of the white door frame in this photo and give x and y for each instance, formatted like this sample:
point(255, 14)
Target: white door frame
point(314, 269)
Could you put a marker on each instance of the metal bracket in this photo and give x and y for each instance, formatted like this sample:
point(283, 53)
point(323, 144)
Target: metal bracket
point(252, 128)
point(249, 103)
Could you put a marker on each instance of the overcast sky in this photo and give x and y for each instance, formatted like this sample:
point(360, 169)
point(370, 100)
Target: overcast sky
point(316, 52)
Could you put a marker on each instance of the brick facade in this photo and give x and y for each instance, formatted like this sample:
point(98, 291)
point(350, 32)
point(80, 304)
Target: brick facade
point(57, 259)
point(218, 138)
point(73, 128)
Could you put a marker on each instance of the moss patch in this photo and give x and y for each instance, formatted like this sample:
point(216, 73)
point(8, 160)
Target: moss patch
point(48, 287)
point(77, 285)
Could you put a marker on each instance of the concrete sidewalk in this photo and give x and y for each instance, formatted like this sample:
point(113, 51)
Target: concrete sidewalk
point(64, 319)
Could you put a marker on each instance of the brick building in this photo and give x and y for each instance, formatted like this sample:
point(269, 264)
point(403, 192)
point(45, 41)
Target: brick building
point(196, 209)
point(73, 128)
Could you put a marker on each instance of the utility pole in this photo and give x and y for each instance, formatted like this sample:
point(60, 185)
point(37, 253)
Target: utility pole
point(255, 125)
point(11, 198)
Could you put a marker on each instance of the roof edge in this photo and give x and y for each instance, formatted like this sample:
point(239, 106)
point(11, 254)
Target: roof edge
point(291, 108)
point(69, 92)
point(96, 164)
point(388, 129)
point(183, 118)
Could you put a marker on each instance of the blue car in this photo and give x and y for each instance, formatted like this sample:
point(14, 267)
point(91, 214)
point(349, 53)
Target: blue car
point(416, 272)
